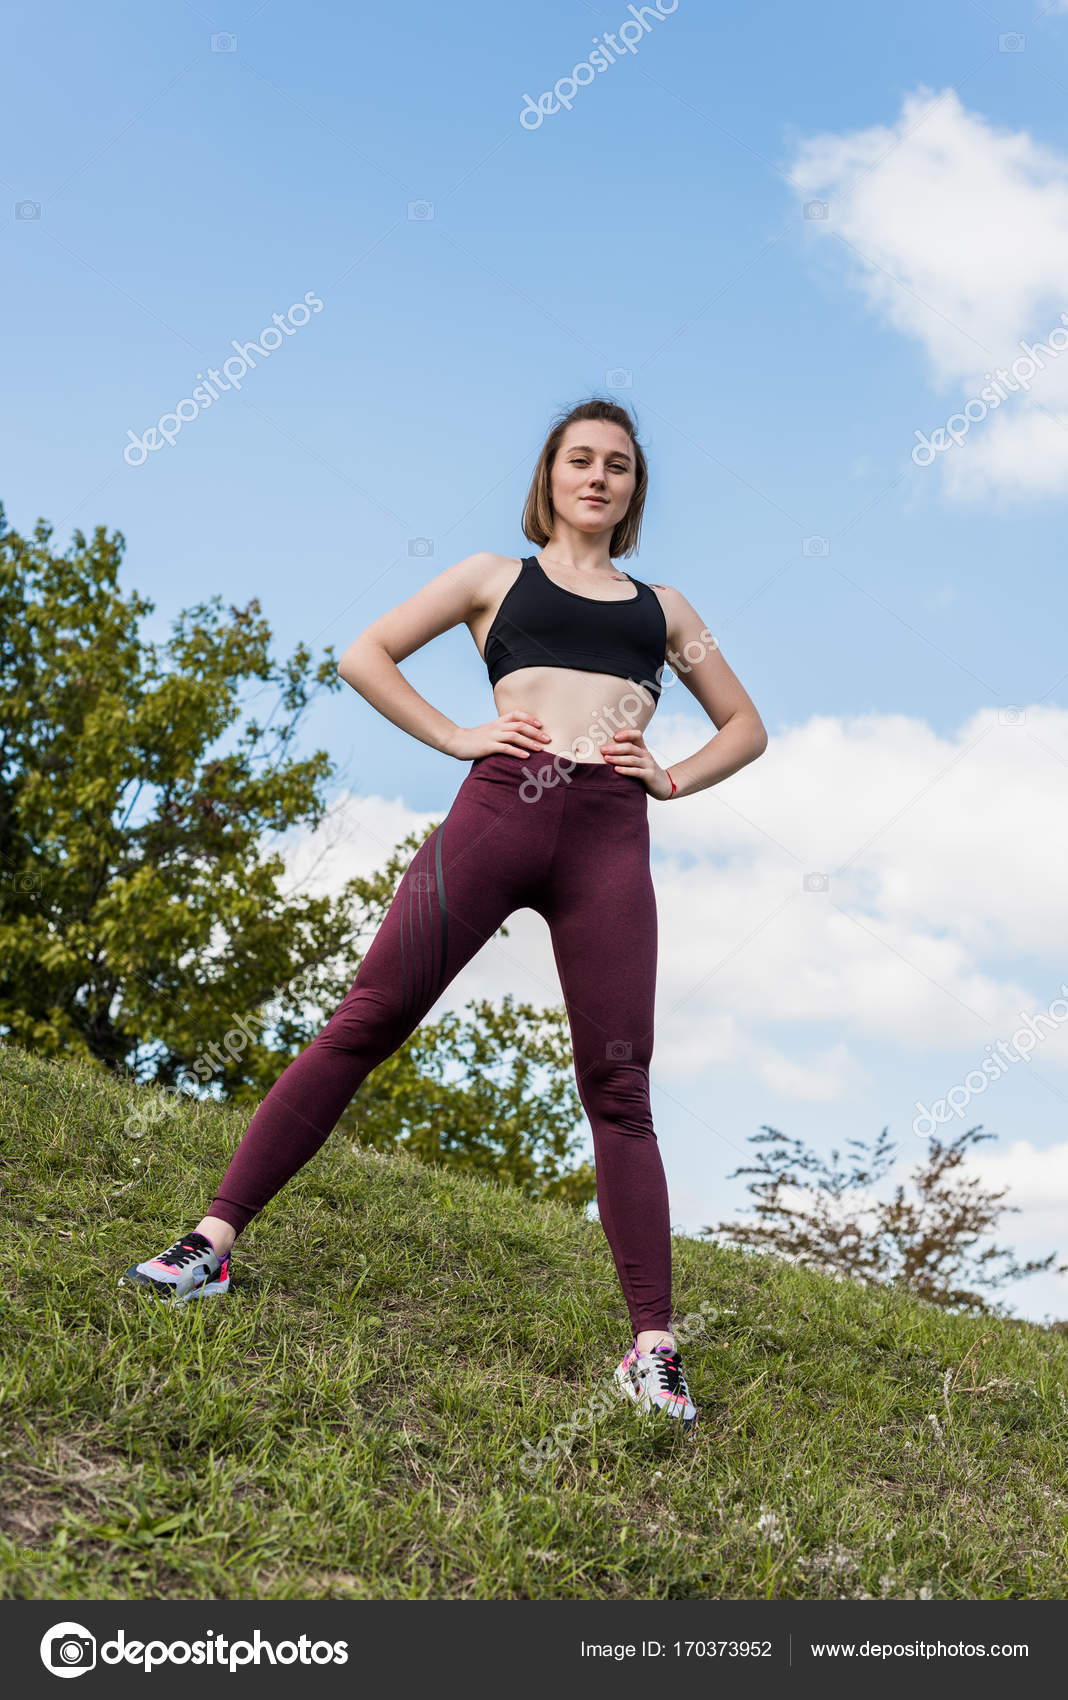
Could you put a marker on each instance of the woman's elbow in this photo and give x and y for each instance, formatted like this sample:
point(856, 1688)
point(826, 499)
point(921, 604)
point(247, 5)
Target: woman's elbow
point(758, 742)
point(351, 665)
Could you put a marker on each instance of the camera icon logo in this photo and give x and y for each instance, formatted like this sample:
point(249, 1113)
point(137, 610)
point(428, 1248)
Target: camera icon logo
point(68, 1649)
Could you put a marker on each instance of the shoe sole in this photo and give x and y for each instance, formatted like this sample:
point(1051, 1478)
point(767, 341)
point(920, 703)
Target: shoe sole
point(209, 1290)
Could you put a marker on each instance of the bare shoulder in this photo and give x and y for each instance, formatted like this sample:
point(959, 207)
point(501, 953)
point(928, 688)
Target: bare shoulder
point(454, 596)
point(489, 576)
point(677, 611)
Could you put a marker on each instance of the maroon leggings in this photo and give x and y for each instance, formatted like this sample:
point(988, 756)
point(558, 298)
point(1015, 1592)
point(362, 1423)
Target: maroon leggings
point(572, 842)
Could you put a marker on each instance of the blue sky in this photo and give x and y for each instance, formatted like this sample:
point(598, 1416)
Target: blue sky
point(167, 192)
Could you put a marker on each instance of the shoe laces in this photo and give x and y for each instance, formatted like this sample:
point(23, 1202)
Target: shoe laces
point(669, 1371)
point(181, 1253)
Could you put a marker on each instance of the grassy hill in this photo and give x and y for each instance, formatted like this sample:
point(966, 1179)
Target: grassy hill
point(353, 1420)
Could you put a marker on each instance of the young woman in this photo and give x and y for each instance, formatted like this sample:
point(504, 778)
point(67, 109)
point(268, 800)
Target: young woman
point(551, 815)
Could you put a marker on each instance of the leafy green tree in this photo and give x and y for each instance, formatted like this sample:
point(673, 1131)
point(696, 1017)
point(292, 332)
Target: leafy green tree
point(510, 1113)
point(143, 921)
point(931, 1240)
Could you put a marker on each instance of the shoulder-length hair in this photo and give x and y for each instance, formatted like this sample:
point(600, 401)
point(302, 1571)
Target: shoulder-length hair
point(538, 513)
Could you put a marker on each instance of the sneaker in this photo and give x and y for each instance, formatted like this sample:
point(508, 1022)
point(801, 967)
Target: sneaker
point(654, 1382)
point(189, 1269)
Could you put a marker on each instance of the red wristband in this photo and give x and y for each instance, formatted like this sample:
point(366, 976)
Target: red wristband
point(674, 787)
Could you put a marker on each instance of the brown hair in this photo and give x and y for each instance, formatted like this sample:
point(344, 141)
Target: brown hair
point(538, 513)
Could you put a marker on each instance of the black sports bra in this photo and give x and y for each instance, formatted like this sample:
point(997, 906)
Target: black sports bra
point(534, 628)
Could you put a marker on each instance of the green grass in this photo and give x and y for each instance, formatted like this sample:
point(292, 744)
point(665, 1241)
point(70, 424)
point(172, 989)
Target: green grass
point(350, 1422)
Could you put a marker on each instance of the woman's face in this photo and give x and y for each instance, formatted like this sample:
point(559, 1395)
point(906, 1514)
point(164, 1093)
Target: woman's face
point(595, 459)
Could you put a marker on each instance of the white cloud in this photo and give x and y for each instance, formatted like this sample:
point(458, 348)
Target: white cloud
point(956, 232)
point(1037, 1182)
point(356, 838)
point(828, 1073)
point(942, 921)
point(1037, 1179)
point(945, 860)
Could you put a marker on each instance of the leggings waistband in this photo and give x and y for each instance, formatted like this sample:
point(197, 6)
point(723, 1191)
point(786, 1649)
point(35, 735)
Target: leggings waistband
point(546, 770)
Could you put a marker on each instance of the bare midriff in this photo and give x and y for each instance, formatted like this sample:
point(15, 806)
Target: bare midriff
point(580, 711)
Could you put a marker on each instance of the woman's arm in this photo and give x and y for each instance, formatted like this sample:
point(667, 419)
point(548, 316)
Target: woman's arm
point(694, 655)
point(369, 664)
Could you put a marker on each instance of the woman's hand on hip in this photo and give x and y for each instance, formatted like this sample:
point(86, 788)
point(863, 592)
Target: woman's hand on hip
point(514, 733)
point(627, 753)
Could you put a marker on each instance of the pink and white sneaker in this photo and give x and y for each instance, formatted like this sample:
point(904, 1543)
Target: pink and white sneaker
point(654, 1383)
point(189, 1269)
